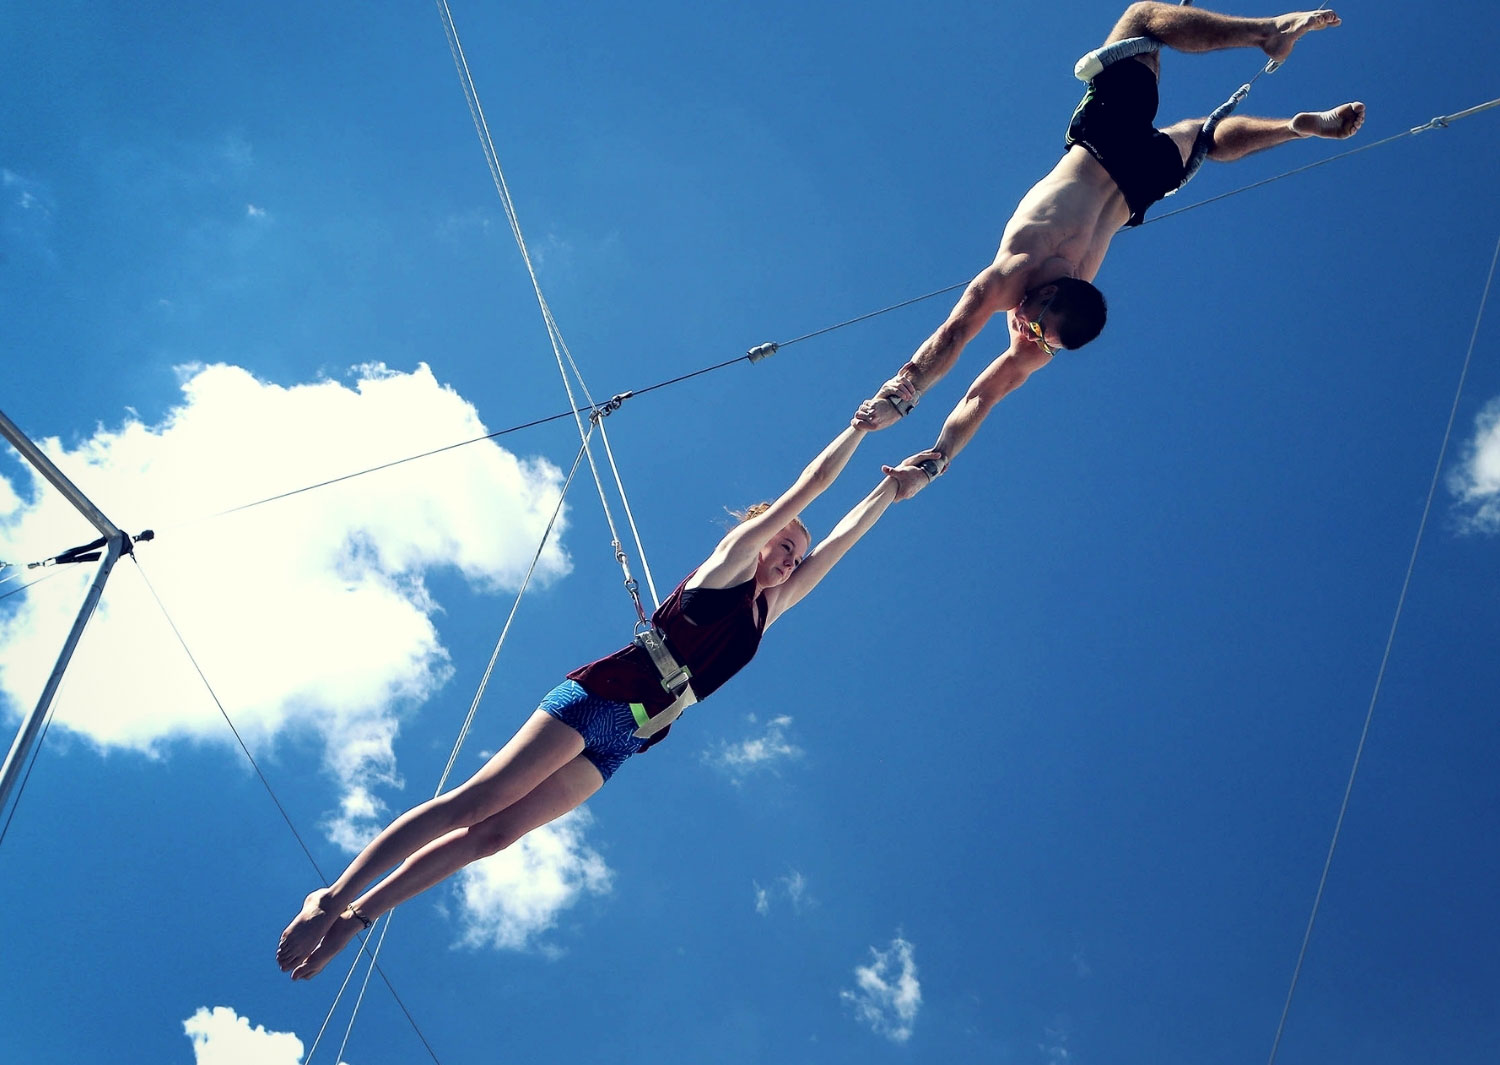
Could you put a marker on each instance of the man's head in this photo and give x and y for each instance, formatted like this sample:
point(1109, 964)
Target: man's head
point(1071, 310)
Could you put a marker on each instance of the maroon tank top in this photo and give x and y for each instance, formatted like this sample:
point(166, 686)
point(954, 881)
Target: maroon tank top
point(712, 631)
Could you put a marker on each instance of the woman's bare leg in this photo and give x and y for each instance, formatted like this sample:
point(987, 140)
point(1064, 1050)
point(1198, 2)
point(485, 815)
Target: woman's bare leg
point(539, 749)
point(562, 791)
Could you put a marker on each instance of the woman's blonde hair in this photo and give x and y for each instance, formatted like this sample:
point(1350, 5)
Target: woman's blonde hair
point(757, 509)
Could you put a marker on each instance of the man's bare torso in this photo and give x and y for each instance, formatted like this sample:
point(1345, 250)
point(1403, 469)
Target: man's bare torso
point(1070, 215)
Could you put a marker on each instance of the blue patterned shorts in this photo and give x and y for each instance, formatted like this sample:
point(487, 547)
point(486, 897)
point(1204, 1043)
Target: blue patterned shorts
point(607, 727)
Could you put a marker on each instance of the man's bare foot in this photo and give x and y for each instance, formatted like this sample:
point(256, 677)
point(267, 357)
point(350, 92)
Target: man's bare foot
point(344, 926)
point(306, 929)
point(1290, 28)
point(1343, 121)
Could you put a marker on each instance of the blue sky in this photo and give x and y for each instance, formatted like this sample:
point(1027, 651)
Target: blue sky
point(1044, 774)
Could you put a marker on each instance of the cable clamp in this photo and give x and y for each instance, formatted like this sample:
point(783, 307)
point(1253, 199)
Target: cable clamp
point(763, 351)
point(608, 407)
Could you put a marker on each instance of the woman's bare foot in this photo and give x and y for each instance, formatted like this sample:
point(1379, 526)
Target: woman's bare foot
point(306, 930)
point(1343, 121)
point(344, 926)
point(1290, 28)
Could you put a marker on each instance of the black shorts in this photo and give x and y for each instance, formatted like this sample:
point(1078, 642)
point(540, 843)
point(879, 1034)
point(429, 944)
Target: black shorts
point(1113, 122)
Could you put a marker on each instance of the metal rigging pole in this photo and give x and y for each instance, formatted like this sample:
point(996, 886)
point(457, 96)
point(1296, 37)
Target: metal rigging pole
point(116, 543)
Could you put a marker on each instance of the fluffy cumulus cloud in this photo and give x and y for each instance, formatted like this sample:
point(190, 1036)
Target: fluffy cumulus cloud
point(510, 899)
point(1476, 481)
point(767, 750)
point(309, 614)
point(886, 994)
point(222, 1037)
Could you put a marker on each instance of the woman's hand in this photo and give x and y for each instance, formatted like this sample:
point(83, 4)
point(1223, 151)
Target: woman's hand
point(910, 477)
point(881, 409)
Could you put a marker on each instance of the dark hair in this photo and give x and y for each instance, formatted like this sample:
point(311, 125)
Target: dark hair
point(1077, 311)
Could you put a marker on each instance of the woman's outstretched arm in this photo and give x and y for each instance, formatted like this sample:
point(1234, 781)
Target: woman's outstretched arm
point(734, 559)
point(826, 555)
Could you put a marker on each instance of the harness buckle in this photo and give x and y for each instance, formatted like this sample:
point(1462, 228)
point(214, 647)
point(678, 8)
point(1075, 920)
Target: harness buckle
point(678, 679)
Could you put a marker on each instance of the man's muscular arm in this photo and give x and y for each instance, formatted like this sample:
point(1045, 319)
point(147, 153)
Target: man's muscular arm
point(1002, 377)
point(1000, 287)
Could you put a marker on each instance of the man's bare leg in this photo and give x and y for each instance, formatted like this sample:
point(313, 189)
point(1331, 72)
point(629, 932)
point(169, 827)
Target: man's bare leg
point(1192, 29)
point(1241, 135)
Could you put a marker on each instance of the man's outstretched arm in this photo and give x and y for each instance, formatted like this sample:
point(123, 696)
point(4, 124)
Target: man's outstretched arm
point(1002, 377)
point(1000, 287)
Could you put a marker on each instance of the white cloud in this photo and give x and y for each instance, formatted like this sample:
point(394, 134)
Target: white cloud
point(555, 252)
point(509, 899)
point(796, 890)
point(27, 208)
point(1476, 482)
point(887, 994)
point(236, 152)
point(222, 1037)
point(762, 900)
point(759, 752)
point(1056, 1047)
point(792, 887)
point(308, 614)
point(360, 816)
point(566, 260)
point(10, 502)
point(252, 211)
point(460, 225)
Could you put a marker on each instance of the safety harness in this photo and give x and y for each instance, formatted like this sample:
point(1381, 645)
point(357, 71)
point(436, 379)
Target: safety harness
point(676, 679)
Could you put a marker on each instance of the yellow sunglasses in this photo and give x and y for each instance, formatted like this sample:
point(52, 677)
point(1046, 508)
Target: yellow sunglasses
point(1041, 341)
point(1038, 335)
